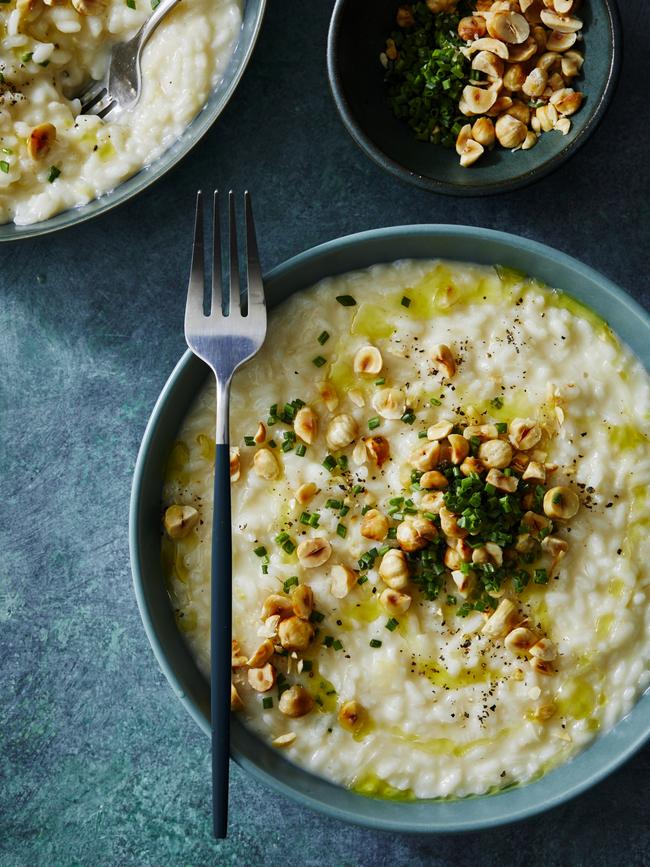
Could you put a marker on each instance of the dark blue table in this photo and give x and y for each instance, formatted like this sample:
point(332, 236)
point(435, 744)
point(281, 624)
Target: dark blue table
point(99, 763)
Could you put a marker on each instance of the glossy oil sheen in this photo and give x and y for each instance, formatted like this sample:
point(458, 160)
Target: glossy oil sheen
point(375, 807)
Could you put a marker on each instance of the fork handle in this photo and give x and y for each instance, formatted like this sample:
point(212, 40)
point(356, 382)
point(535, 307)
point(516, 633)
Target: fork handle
point(221, 622)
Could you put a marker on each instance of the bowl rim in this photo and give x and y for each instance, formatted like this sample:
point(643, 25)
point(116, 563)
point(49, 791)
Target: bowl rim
point(147, 175)
point(380, 158)
point(507, 814)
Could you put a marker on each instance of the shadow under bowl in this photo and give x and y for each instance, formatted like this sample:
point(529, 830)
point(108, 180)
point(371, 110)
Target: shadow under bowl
point(357, 35)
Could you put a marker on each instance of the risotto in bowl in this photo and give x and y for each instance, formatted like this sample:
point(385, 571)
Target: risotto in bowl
point(439, 509)
point(55, 159)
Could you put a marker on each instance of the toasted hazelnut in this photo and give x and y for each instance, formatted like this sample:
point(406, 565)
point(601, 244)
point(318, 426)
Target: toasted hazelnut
point(432, 479)
point(235, 700)
point(477, 100)
point(472, 465)
point(541, 666)
point(341, 431)
point(262, 655)
point(40, 140)
point(394, 570)
point(483, 132)
point(352, 715)
point(440, 430)
point(368, 360)
point(305, 424)
point(260, 434)
point(464, 582)
point(314, 552)
point(488, 553)
point(295, 701)
point(328, 395)
point(535, 83)
point(295, 633)
point(265, 464)
point(555, 546)
point(442, 359)
point(88, 7)
point(535, 471)
point(415, 533)
point(306, 493)
point(502, 621)
point(394, 602)
point(378, 449)
point(276, 604)
point(262, 679)
point(534, 523)
point(237, 658)
point(179, 521)
point(452, 559)
point(502, 482)
point(482, 432)
point(449, 524)
point(520, 639)
point(510, 132)
point(510, 27)
point(425, 457)
point(471, 27)
point(544, 649)
point(495, 454)
point(342, 581)
point(302, 599)
point(432, 502)
point(560, 23)
point(514, 77)
point(567, 101)
point(374, 525)
point(389, 403)
point(561, 502)
point(459, 448)
point(235, 464)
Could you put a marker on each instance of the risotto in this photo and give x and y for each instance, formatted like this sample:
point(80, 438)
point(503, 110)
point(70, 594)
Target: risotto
point(440, 510)
point(51, 156)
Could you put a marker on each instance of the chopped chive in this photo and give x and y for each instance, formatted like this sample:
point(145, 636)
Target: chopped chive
point(374, 422)
point(540, 576)
point(319, 361)
point(261, 551)
point(375, 642)
point(289, 583)
point(502, 427)
point(54, 174)
point(357, 489)
point(328, 641)
point(435, 402)
point(316, 617)
point(406, 301)
point(4, 166)
point(6, 151)
point(286, 446)
point(343, 511)
point(380, 381)
point(130, 4)
point(342, 461)
point(341, 530)
point(305, 518)
point(408, 417)
point(313, 520)
point(307, 665)
point(365, 509)
point(272, 444)
point(346, 300)
point(27, 57)
point(281, 537)
point(338, 645)
point(267, 702)
point(383, 550)
point(392, 533)
point(422, 435)
point(288, 547)
point(392, 624)
point(155, 4)
point(334, 504)
point(323, 337)
point(249, 441)
point(361, 580)
point(430, 515)
point(329, 463)
point(301, 450)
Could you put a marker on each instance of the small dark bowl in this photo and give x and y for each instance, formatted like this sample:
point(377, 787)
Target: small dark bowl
point(357, 35)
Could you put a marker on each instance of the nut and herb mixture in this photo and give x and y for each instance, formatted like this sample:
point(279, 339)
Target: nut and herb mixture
point(508, 65)
point(436, 589)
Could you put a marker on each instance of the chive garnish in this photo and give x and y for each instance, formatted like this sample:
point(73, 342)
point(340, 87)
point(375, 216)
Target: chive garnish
point(406, 301)
point(346, 300)
point(267, 702)
point(289, 583)
point(260, 552)
point(380, 381)
point(329, 463)
point(392, 624)
point(341, 530)
point(54, 174)
point(374, 422)
point(323, 337)
point(319, 361)
point(375, 642)
point(4, 167)
point(249, 441)
point(408, 417)
point(337, 645)
point(301, 450)
point(307, 665)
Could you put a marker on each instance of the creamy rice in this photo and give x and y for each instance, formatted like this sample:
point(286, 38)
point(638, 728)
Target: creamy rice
point(451, 712)
point(48, 53)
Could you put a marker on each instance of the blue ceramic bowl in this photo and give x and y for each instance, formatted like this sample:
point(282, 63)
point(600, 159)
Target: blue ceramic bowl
point(253, 12)
point(267, 764)
point(357, 35)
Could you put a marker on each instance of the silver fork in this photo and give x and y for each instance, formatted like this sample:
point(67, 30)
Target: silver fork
point(121, 84)
point(230, 334)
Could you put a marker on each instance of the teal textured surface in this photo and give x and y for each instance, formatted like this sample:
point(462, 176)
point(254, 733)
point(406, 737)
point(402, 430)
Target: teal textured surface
point(99, 762)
